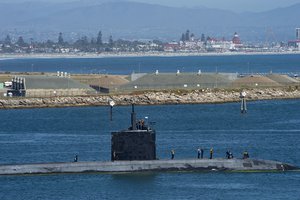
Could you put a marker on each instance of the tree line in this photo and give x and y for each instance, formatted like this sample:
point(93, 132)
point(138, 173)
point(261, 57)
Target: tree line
point(187, 36)
point(83, 44)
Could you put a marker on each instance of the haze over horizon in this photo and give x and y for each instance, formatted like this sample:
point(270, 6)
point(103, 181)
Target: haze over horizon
point(232, 5)
point(144, 19)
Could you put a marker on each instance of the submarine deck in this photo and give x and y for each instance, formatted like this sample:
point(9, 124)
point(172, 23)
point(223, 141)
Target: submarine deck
point(217, 164)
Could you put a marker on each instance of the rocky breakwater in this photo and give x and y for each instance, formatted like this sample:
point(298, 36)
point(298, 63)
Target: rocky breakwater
point(151, 98)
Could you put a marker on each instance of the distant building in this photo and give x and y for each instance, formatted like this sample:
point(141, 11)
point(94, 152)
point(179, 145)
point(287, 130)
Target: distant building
point(295, 44)
point(213, 44)
point(171, 47)
point(236, 39)
point(297, 33)
point(237, 44)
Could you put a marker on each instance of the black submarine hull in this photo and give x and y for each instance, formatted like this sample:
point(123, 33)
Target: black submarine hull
point(148, 166)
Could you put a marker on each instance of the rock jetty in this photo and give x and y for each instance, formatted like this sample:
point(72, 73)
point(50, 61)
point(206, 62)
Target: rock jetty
point(152, 98)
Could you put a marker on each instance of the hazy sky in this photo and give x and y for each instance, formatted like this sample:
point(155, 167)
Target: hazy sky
point(235, 5)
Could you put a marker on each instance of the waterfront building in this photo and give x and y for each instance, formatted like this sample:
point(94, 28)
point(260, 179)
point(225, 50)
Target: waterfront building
point(171, 47)
point(236, 39)
point(237, 44)
point(298, 38)
point(297, 33)
point(216, 45)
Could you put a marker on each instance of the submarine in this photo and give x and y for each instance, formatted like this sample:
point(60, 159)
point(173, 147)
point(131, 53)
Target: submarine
point(134, 150)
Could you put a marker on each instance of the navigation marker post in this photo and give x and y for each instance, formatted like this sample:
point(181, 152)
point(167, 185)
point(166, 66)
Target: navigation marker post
point(243, 102)
point(111, 103)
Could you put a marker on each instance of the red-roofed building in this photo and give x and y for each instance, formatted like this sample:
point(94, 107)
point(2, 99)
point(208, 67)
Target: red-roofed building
point(236, 39)
point(172, 46)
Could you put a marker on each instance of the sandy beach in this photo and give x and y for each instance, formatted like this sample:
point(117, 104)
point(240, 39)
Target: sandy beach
point(135, 54)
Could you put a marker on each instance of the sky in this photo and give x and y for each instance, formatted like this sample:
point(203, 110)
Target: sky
point(234, 5)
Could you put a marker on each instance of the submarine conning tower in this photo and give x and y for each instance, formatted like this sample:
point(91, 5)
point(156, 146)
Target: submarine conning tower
point(135, 143)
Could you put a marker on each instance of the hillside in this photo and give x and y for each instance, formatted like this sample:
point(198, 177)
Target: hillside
point(125, 19)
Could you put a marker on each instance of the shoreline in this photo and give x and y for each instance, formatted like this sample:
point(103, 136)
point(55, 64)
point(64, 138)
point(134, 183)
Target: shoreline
point(153, 98)
point(126, 54)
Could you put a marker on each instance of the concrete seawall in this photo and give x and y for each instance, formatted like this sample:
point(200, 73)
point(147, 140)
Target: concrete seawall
point(152, 98)
point(153, 165)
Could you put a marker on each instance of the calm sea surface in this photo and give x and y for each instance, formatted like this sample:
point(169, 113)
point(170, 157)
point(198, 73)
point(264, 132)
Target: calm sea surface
point(270, 130)
point(126, 65)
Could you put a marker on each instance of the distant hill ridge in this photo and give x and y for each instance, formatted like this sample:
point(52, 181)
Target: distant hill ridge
point(137, 20)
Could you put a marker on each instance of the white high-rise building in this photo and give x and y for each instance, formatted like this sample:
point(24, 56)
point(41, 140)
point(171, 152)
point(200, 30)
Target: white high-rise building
point(297, 33)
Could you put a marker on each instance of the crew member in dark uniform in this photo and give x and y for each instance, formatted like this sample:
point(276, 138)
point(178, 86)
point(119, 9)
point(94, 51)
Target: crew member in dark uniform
point(114, 155)
point(211, 153)
point(230, 155)
point(245, 155)
point(227, 154)
point(76, 158)
point(172, 154)
point(202, 152)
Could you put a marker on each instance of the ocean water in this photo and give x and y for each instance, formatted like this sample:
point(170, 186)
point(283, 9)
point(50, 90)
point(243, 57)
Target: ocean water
point(270, 130)
point(127, 65)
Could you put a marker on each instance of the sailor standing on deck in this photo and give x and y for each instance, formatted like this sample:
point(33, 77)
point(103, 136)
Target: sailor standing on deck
point(172, 154)
point(76, 158)
point(227, 154)
point(230, 155)
point(245, 155)
point(211, 153)
point(200, 152)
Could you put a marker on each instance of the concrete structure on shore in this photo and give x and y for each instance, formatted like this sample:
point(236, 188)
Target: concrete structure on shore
point(199, 80)
point(178, 80)
point(204, 165)
point(48, 86)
